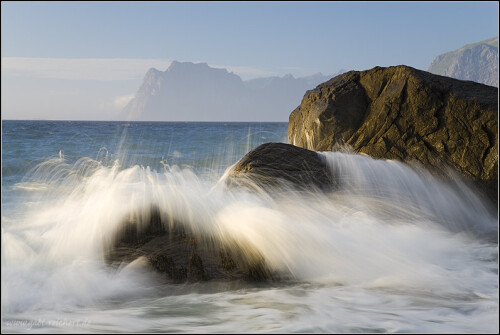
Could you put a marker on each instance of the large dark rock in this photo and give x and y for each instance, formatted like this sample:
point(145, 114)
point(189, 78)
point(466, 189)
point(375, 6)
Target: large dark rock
point(272, 166)
point(405, 114)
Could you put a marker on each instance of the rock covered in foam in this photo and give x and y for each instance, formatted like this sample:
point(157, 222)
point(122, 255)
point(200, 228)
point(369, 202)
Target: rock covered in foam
point(182, 256)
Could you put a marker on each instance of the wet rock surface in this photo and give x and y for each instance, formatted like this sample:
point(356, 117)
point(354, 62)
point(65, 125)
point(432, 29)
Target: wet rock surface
point(274, 165)
point(182, 256)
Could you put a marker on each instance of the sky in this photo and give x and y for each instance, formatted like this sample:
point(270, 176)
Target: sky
point(86, 60)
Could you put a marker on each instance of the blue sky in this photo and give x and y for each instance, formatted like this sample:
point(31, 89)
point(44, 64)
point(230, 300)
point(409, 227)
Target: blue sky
point(80, 52)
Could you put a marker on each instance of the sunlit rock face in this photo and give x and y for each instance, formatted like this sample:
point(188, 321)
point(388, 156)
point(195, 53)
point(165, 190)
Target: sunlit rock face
point(405, 114)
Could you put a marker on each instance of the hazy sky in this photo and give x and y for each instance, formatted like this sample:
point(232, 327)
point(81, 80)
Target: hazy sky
point(85, 60)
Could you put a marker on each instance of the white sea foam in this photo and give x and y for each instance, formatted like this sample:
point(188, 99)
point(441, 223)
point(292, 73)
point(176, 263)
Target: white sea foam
point(391, 239)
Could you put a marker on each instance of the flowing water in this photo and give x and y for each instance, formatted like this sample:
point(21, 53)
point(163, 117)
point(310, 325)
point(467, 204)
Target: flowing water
point(393, 249)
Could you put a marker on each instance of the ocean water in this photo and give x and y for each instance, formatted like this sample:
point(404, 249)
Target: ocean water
point(393, 249)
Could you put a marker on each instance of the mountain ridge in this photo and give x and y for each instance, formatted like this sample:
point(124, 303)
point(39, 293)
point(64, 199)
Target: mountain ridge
point(475, 61)
point(188, 91)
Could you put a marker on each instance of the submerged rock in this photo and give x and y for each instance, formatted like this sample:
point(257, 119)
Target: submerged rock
point(182, 256)
point(405, 114)
point(274, 165)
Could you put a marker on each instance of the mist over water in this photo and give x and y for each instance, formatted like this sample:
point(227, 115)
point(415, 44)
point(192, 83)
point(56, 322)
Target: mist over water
point(392, 249)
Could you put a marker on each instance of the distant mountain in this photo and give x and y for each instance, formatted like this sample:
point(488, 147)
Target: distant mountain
point(476, 62)
point(198, 92)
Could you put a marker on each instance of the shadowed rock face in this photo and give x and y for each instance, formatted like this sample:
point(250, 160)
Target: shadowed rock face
point(274, 165)
point(405, 114)
point(182, 256)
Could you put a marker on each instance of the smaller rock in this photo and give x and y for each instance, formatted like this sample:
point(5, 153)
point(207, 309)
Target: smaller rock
point(272, 166)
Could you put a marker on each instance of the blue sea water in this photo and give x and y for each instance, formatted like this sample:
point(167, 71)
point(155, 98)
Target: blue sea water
point(205, 147)
point(395, 250)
